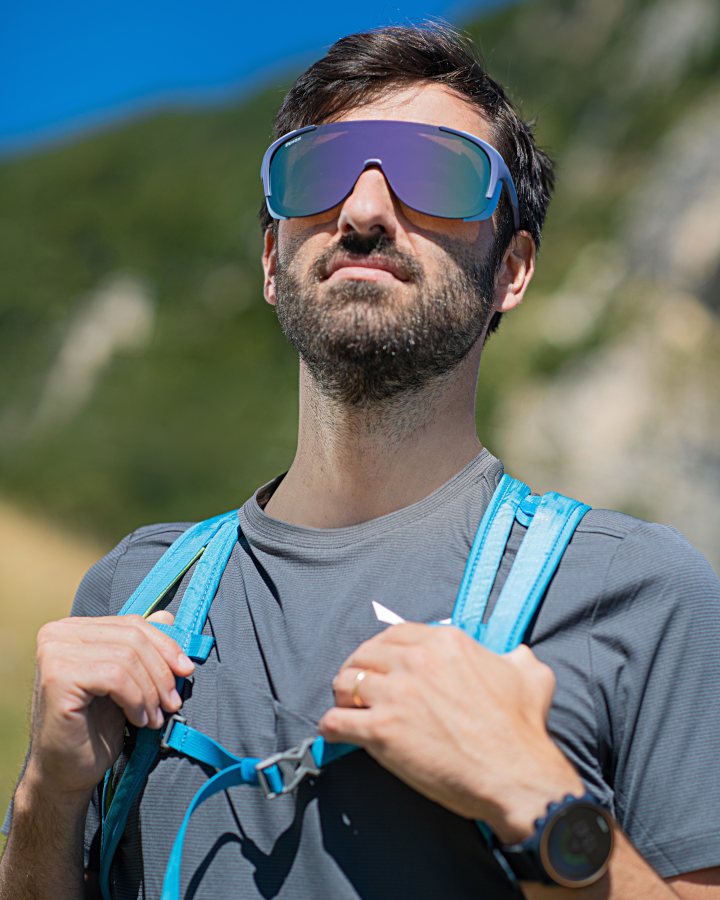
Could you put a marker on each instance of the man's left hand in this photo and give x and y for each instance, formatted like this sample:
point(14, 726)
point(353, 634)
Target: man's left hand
point(462, 725)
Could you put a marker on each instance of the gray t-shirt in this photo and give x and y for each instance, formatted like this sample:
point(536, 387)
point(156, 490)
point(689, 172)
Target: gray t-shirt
point(630, 625)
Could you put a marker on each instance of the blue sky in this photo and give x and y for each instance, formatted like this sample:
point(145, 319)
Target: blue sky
point(68, 67)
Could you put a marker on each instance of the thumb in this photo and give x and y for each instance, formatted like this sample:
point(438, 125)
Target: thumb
point(163, 617)
point(538, 678)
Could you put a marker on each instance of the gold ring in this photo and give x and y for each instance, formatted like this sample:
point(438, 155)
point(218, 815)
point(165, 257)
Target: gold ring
point(356, 698)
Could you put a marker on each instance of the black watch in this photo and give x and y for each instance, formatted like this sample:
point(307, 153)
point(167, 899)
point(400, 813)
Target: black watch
point(571, 845)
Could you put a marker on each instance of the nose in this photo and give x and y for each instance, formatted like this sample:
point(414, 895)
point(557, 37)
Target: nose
point(371, 205)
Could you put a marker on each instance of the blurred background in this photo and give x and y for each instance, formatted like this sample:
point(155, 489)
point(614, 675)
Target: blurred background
point(142, 376)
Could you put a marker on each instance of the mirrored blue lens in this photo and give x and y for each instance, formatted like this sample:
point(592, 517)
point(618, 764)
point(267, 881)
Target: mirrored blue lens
point(313, 172)
point(430, 170)
point(440, 174)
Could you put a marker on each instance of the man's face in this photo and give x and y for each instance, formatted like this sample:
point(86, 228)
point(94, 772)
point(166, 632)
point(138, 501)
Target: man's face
point(379, 299)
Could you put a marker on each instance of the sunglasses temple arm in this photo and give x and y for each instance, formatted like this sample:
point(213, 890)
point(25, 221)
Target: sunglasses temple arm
point(506, 179)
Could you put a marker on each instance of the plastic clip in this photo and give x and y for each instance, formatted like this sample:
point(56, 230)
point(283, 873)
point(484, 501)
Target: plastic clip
point(294, 765)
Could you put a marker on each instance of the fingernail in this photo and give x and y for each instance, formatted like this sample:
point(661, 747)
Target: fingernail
point(159, 718)
point(184, 660)
point(174, 698)
point(144, 719)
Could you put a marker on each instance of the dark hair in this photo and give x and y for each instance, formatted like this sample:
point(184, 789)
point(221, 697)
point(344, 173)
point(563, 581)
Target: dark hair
point(360, 68)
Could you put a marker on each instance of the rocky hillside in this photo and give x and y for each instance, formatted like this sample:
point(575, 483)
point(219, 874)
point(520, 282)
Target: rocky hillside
point(143, 377)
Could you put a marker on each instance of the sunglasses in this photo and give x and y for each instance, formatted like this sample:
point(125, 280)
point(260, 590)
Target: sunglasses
point(432, 169)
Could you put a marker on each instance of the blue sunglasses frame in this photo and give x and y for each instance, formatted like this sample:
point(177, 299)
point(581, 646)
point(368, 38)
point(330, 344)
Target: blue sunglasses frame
point(499, 172)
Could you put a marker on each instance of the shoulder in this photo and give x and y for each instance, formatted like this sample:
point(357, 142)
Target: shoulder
point(644, 559)
point(624, 579)
point(120, 571)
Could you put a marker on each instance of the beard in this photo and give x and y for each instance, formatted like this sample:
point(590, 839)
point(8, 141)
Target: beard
point(365, 342)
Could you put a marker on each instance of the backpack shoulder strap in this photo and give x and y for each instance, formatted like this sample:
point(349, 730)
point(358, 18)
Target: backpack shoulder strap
point(173, 564)
point(551, 520)
point(210, 544)
point(553, 524)
point(486, 553)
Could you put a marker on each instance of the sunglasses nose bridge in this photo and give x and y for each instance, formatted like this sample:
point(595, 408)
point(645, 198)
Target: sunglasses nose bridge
point(369, 203)
point(374, 162)
point(371, 163)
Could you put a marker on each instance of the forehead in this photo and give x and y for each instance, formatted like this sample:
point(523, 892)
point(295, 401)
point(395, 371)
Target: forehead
point(431, 104)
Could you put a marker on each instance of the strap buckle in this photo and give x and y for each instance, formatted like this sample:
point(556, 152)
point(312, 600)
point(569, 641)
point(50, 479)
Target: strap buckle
point(294, 765)
point(169, 725)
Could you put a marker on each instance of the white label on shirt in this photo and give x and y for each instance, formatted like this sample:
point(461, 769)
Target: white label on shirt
point(383, 614)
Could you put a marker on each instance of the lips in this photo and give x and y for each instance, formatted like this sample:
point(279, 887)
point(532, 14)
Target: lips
point(371, 263)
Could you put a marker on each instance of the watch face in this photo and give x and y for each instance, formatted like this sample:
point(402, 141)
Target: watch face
point(576, 846)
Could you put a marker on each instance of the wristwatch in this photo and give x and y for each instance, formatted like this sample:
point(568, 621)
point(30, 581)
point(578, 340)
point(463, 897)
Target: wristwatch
point(571, 845)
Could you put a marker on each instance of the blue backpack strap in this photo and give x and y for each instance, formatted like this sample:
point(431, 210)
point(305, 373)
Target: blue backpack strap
point(242, 772)
point(211, 542)
point(279, 774)
point(551, 521)
point(173, 564)
point(553, 524)
point(486, 553)
point(274, 773)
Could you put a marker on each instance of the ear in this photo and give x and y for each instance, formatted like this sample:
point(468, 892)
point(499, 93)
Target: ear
point(269, 263)
point(515, 272)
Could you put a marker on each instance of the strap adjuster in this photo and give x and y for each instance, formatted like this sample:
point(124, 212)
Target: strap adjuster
point(169, 725)
point(294, 765)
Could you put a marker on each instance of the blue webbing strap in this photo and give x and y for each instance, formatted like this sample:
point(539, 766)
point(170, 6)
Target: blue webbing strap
point(553, 524)
point(486, 554)
point(185, 739)
point(234, 771)
point(203, 585)
point(241, 773)
point(172, 564)
point(196, 646)
point(190, 742)
point(218, 536)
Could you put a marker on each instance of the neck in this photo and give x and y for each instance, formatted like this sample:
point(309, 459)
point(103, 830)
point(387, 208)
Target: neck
point(354, 464)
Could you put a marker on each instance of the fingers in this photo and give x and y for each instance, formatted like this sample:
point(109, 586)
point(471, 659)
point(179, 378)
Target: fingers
point(125, 658)
point(103, 672)
point(357, 687)
point(128, 629)
point(538, 678)
point(389, 649)
point(351, 726)
point(379, 656)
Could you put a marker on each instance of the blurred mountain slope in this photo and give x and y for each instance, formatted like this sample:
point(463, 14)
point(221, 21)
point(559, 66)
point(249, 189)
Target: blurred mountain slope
point(144, 378)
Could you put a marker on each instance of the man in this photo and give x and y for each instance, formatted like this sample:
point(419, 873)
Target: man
point(388, 297)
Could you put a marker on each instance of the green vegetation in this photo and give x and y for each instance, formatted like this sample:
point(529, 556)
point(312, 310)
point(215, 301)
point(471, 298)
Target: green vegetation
point(190, 421)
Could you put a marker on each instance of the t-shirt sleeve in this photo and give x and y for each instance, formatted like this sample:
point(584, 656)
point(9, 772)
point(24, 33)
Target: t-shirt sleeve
point(93, 594)
point(655, 658)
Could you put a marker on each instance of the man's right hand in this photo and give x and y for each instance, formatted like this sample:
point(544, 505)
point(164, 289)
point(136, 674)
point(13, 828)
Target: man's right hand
point(92, 675)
